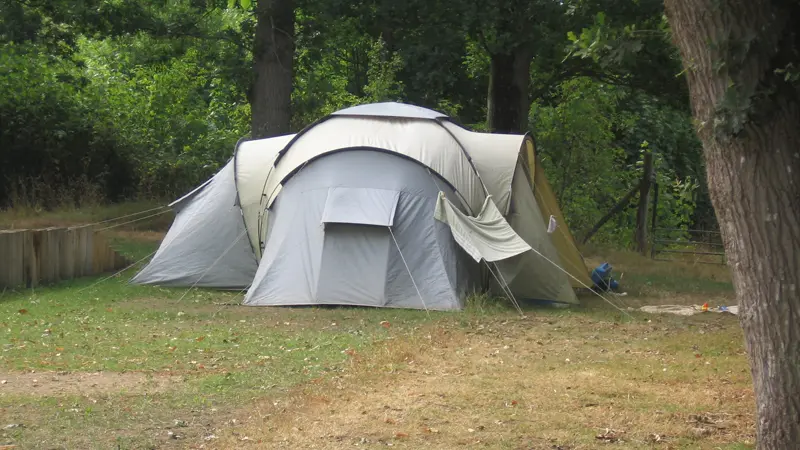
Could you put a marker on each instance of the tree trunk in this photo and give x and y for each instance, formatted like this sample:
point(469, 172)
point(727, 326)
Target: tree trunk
point(509, 80)
point(753, 160)
point(273, 53)
point(644, 202)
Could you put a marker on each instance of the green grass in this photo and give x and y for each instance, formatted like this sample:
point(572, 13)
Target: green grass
point(228, 355)
point(264, 365)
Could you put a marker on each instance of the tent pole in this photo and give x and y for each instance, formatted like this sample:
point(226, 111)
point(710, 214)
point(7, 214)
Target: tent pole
point(409, 271)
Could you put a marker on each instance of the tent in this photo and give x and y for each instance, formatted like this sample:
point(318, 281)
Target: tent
point(385, 204)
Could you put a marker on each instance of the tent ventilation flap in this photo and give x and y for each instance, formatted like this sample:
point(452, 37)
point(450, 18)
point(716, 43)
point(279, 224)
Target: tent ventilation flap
point(488, 236)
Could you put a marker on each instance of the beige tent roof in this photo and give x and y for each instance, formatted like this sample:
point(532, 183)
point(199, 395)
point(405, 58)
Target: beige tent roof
point(475, 164)
point(252, 164)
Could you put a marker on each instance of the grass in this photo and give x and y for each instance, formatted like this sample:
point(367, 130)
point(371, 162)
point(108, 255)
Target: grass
point(112, 365)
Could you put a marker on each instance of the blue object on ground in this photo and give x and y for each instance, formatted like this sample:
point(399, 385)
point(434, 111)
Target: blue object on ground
point(602, 279)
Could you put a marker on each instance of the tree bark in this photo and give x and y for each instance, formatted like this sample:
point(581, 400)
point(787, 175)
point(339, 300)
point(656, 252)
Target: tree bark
point(273, 53)
point(508, 101)
point(644, 202)
point(735, 47)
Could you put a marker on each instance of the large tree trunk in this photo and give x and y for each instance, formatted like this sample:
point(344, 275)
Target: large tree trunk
point(752, 152)
point(508, 102)
point(273, 52)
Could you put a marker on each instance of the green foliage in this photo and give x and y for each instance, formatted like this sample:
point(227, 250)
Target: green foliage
point(51, 148)
point(628, 43)
point(181, 117)
point(576, 144)
point(148, 99)
point(382, 84)
point(592, 150)
point(116, 117)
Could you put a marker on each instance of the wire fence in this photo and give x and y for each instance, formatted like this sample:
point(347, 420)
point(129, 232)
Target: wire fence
point(695, 246)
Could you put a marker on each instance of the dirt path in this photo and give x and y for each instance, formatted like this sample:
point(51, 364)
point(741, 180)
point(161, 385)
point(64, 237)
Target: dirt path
point(82, 383)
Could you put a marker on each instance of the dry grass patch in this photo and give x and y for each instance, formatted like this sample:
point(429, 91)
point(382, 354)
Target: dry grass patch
point(565, 382)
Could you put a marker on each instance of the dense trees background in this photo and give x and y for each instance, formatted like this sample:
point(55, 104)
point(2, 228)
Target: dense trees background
point(104, 100)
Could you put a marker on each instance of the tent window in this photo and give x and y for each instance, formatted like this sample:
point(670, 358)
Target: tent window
point(363, 206)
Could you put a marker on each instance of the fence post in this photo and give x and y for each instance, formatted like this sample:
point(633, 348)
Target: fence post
point(11, 258)
point(641, 212)
point(30, 258)
point(655, 218)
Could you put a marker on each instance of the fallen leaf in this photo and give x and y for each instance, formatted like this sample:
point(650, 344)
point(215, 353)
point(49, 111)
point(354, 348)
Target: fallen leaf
point(200, 339)
point(389, 420)
point(23, 311)
point(401, 435)
point(385, 324)
point(610, 435)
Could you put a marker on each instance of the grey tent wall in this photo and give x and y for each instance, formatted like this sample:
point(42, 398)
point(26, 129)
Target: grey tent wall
point(309, 262)
point(206, 245)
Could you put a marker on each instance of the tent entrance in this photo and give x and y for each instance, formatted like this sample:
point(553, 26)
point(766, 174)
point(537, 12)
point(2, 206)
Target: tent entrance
point(355, 250)
point(354, 260)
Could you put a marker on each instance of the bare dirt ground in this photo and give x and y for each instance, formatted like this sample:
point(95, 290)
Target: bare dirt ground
point(82, 383)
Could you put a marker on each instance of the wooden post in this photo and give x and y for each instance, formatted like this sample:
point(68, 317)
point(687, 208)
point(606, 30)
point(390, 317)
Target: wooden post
point(11, 258)
point(50, 258)
point(31, 240)
point(79, 251)
point(85, 250)
point(653, 225)
point(644, 197)
point(33, 257)
point(66, 254)
point(615, 210)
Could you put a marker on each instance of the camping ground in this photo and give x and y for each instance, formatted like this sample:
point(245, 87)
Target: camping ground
point(90, 364)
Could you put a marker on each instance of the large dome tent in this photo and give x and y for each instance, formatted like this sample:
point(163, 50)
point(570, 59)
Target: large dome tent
point(384, 204)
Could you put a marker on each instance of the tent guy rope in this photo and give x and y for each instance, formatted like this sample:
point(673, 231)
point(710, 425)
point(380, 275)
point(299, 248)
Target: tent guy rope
point(134, 220)
point(114, 219)
point(409, 272)
point(504, 286)
point(115, 274)
point(582, 283)
point(241, 235)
